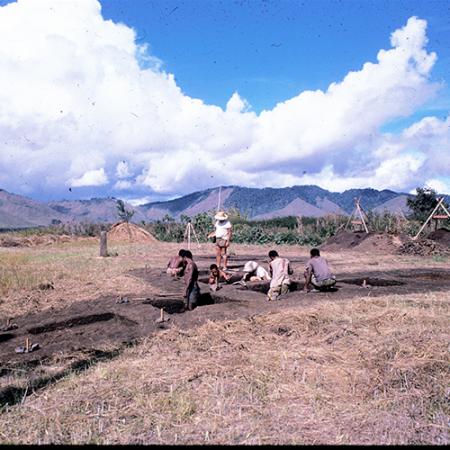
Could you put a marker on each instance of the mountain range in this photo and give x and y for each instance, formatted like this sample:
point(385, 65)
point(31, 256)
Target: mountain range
point(17, 211)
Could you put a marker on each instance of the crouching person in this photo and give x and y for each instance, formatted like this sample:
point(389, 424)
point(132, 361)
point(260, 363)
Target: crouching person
point(318, 276)
point(216, 276)
point(175, 266)
point(279, 269)
point(254, 272)
point(192, 291)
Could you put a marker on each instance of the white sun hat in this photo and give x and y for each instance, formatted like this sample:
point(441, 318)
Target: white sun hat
point(250, 266)
point(221, 215)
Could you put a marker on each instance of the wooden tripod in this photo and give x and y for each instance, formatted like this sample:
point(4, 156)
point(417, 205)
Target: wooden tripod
point(187, 235)
point(434, 215)
point(361, 213)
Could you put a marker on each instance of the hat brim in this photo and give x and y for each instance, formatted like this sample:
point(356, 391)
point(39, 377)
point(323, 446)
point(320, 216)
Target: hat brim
point(220, 217)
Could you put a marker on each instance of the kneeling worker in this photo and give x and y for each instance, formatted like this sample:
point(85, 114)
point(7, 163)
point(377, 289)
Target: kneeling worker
point(216, 276)
point(175, 266)
point(254, 272)
point(318, 273)
point(279, 269)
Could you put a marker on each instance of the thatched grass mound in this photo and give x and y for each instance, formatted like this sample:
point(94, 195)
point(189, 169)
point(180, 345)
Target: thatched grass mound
point(129, 232)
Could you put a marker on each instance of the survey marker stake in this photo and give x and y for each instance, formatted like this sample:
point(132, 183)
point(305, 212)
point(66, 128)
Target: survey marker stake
point(161, 318)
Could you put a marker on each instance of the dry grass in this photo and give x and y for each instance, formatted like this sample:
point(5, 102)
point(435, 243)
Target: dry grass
point(362, 373)
point(366, 371)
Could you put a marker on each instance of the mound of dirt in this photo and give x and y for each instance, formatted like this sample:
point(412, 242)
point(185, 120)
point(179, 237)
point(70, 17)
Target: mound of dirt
point(442, 236)
point(129, 232)
point(423, 247)
point(344, 240)
point(381, 242)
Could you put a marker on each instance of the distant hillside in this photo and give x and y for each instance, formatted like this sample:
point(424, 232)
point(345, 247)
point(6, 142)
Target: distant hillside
point(93, 210)
point(21, 212)
point(17, 211)
point(277, 202)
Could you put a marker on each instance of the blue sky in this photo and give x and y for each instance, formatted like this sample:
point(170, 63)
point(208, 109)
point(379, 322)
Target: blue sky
point(269, 51)
point(151, 99)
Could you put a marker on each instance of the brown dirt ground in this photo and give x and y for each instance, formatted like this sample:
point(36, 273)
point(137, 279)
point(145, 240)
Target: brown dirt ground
point(76, 331)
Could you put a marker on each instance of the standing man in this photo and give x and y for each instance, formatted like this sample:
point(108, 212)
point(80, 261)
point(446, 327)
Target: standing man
point(279, 269)
point(318, 273)
point(222, 233)
point(192, 291)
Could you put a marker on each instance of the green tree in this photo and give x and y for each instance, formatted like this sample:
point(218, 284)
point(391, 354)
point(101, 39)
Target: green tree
point(123, 213)
point(422, 204)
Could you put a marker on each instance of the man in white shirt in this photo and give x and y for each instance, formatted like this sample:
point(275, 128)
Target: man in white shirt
point(222, 233)
point(279, 269)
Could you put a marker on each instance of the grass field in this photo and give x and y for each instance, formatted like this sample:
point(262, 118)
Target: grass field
point(358, 370)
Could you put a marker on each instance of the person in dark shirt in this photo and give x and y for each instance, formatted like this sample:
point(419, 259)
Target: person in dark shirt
point(192, 291)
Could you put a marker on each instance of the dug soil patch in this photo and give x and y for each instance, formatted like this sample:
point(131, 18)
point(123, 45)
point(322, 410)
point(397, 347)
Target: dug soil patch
point(78, 336)
point(442, 236)
point(381, 242)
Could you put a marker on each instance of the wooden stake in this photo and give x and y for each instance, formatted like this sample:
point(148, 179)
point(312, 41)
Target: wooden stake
point(103, 244)
point(27, 344)
point(162, 314)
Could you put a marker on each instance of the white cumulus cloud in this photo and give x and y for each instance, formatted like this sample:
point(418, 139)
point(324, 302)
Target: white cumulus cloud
point(90, 178)
point(82, 104)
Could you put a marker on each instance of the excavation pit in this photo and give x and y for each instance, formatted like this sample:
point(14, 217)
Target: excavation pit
point(264, 286)
point(372, 282)
point(429, 276)
point(235, 277)
point(177, 305)
point(6, 337)
point(79, 321)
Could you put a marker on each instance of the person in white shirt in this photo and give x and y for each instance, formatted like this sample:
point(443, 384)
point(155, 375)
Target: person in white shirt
point(222, 234)
point(279, 269)
point(254, 272)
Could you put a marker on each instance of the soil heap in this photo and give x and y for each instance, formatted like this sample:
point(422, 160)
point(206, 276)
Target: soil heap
point(344, 240)
point(381, 242)
point(129, 232)
point(442, 236)
point(423, 247)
